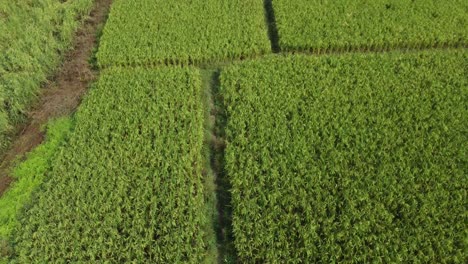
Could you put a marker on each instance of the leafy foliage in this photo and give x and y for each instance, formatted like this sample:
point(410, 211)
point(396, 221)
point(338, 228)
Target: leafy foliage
point(33, 36)
point(29, 176)
point(342, 25)
point(355, 158)
point(128, 186)
point(179, 31)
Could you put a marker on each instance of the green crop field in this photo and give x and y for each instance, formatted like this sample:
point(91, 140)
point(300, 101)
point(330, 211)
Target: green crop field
point(146, 32)
point(324, 26)
point(356, 158)
point(128, 186)
point(233, 131)
point(33, 34)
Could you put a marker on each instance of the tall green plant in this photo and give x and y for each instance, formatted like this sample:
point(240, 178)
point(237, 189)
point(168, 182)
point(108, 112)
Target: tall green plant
point(342, 25)
point(355, 159)
point(148, 32)
point(128, 187)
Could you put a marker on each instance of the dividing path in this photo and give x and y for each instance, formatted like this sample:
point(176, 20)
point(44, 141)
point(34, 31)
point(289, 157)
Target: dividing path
point(62, 95)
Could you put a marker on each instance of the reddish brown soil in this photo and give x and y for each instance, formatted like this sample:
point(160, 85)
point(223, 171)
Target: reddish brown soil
point(62, 94)
point(5, 183)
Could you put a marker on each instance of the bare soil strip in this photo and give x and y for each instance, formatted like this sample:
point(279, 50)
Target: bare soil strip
point(5, 183)
point(62, 94)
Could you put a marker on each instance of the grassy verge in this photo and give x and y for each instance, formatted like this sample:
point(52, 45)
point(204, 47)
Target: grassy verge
point(33, 39)
point(29, 175)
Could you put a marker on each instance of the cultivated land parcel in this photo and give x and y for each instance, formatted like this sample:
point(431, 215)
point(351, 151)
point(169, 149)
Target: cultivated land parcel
point(355, 158)
point(348, 158)
point(128, 186)
point(342, 25)
point(184, 32)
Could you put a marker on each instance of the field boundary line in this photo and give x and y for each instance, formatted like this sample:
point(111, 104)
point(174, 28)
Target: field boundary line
point(216, 144)
point(304, 52)
point(271, 25)
point(62, 93)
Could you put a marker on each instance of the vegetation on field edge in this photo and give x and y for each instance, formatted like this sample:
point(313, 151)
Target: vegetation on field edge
point(29, 175)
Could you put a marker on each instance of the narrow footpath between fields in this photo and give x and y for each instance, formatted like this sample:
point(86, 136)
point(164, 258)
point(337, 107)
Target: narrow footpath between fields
point(62, 94)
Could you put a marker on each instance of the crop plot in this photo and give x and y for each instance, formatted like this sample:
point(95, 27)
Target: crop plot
point(149, 32)
point(348, 158)
point(324, 26)
point(128, 185)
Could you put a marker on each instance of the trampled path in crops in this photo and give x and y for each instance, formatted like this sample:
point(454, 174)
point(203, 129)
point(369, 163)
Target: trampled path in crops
point(62, 94)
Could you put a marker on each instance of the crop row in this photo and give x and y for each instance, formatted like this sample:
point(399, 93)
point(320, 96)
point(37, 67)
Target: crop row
point(355, 158)
point(324, 26)
point(148, 32)
point(127, 186)
point(33, 34)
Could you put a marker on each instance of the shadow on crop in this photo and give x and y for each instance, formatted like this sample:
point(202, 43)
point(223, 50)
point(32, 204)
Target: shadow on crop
point(271, 23)
point(216, 141)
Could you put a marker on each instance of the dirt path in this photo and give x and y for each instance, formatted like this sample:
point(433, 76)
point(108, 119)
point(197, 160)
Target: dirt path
point(62, 94)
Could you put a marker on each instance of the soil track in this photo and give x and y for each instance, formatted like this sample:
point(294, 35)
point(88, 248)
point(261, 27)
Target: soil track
point(62, 94)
